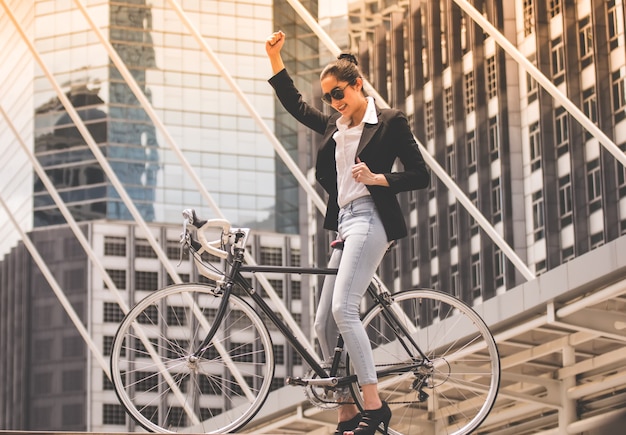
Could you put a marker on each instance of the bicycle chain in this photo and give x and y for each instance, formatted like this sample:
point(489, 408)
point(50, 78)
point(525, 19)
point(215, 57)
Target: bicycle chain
point(334, 402)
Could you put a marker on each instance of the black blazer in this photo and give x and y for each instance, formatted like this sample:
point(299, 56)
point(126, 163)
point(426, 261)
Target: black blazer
point(380, 145)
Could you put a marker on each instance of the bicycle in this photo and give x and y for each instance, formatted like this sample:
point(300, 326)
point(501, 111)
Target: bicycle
point(199, 358)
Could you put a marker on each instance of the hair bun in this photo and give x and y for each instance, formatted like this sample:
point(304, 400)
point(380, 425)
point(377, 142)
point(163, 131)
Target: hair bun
point(349, 57)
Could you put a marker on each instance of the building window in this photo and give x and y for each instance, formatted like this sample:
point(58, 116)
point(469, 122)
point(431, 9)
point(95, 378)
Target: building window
point(425, 69)
point(590, 108)
point(494, 138)
point(430, 121)
point(473, 196)
point(432, 236)
point(271, 256)
point(449, 112)
point(585, 41)
point(565, 200)
point(558, 60)
point(115, 246)
point(470, 103)
point(596, 240)
point(529, 17)
point(118, 276)
point(413, 199)
point(296, 358)
point(113, 414)
point(621, 175)
point(471, 152)
point(432, 186)
point(279, 353)
point(277, 383)
point(236, 388)
point(277, 285)
point(455, 283)
point(475, 276)
point(561, 131)
point(538, 215)
point(619, 94)
point(567, 254)
point(452, 225)
point(532, 88)
point(498, 267)
point(295, 257)
point(450, 161)
point(492, 77)
point(534, 141)
point(147, 281)
point(210, 258)
point(589, 104)
point(107, 343)
point(174, 251)
point(184, 277)
point(594, 186)
point(148, 381)
point(177, 315)
point(296, 290)
point(107, 385)
point(613, 24)
point(434, 282)
point(464, 45)
point(496, 200)
point(112, 312)
point(540, 267)
point(414, 246)
point(143, 249)
point(554, 7)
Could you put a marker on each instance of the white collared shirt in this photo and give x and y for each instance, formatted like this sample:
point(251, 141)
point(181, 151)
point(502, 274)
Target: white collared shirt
point(347, 140)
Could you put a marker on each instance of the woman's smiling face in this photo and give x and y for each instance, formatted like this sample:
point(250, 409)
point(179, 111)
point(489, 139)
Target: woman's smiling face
point(352, 99)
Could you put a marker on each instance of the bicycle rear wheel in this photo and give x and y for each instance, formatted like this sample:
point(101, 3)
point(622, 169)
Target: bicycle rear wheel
point(168, 390)
point(454, 391)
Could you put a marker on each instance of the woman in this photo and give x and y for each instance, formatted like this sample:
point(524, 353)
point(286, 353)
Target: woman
point(359, 146)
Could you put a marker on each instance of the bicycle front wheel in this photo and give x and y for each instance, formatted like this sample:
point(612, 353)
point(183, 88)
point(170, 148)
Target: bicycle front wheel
point(453, 389)
point(167, 388)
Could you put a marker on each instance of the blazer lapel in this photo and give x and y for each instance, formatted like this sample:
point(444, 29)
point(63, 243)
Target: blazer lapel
point(368, 132)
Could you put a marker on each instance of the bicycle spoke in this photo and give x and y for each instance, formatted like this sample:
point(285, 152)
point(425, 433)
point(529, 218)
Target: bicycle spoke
point(166, 388)
point(453, 391)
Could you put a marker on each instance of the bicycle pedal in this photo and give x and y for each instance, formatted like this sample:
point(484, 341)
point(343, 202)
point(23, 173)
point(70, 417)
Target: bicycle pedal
point(297, 382)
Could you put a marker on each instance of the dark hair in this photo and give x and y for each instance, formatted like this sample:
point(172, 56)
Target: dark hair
point(344, 69)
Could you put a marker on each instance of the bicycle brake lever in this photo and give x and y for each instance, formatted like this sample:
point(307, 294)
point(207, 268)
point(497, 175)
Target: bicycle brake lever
point(184, 237)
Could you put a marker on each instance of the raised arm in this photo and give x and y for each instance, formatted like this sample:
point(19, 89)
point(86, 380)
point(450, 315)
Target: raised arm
point(273, 45)
point(286, 91)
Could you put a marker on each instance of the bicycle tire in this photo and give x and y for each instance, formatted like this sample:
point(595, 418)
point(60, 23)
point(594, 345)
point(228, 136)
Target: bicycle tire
point(464, 379)
point(164, 389)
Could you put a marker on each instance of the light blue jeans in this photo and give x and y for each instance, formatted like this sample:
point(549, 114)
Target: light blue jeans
point(365, 244)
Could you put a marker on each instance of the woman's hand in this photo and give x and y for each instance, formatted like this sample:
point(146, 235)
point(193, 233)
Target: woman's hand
point(273, 45)
point(362, 174)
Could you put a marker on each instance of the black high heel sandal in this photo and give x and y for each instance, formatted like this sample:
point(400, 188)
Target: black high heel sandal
point(346, 426)
point(372, 419)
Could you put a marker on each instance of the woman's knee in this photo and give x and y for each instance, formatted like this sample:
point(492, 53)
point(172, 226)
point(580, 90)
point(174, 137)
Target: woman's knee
point(344, 314)
point(319, 327)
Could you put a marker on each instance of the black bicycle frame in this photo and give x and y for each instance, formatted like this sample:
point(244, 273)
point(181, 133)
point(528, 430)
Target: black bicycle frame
point(235, 277)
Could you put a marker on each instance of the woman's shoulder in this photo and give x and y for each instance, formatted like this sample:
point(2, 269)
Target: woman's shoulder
point(389, 113)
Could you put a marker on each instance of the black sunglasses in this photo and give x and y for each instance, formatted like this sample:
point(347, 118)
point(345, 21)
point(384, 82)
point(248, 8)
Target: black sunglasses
point(336, 93)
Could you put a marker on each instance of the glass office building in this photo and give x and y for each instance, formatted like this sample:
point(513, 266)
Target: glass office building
point(194, 103)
